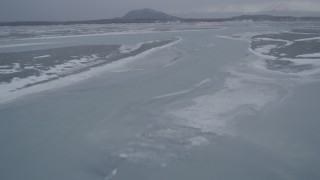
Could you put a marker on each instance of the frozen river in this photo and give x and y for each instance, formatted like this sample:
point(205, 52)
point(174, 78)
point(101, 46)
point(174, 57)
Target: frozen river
point(160, 101)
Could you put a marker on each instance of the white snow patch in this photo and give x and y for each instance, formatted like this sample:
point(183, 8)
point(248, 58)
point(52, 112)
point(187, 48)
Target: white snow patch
point(129, 48)
point(124, 156)
point(309, 55)
point(54, 72)
point(292, 32)
point(265, 49)
point(308, 39)
point(288, 43)
point(111, 175)
point(198, 141)
point(4, 69)
point(271, 39)
point(263, 56)
point(40, 57)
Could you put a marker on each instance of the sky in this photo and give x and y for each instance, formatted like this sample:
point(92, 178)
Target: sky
point(61, 10)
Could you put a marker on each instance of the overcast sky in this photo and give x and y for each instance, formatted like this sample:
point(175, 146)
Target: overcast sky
point(22, 10)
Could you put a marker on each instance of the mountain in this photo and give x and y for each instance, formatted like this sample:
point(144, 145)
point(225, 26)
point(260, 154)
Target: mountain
point(148, 14)
point(287, 9)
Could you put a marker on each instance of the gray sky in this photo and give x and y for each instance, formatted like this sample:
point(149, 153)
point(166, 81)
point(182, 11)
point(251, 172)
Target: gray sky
point(22, 10)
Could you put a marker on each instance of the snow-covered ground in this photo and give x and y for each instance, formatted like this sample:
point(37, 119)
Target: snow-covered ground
point(170, 101)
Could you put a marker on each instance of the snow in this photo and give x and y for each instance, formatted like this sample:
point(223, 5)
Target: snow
point(129, 48)
point(212, 113)
point(201, 83)
point(308, 39)
point(111, 175)
point(8, 93)
point(198, 141)
point(123, 155)
point(264, 56)
point(245, 36)
point(40, 57)
point(292, 32)
point(265, 49)
point(8, 69)
point(314, 55)
point(217, 108)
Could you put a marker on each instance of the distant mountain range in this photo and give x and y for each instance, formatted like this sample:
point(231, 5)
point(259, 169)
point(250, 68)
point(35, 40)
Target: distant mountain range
point(151, 16)
point(148, 14)
point(283, 8)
